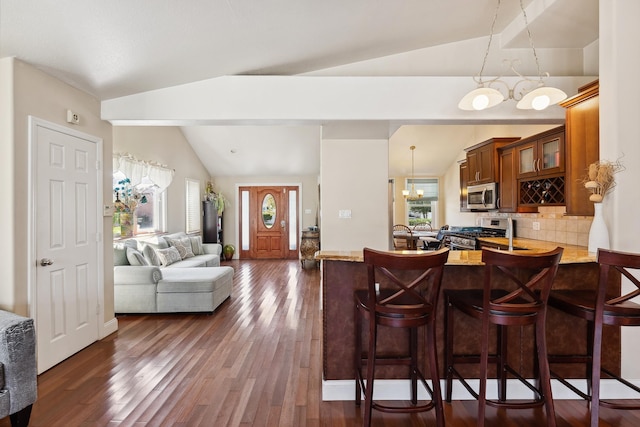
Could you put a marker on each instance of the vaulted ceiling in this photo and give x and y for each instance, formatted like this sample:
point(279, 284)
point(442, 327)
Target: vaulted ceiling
point(117, 48)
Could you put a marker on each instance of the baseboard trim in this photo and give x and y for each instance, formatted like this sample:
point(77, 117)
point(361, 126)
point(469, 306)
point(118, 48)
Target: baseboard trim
point(109, 327)
point(333, 390)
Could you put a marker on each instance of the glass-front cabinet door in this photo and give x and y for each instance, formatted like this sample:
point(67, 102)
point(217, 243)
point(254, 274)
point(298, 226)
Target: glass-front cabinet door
point(544, 156)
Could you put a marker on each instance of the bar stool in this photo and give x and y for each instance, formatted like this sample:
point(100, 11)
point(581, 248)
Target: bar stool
point(515, 292)
point(606, 305)
point(402, 292)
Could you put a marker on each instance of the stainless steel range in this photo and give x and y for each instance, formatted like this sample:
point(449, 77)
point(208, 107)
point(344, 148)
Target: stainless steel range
point(466, 238)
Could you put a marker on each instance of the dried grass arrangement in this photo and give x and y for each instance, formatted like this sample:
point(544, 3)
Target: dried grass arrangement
point(600, 179)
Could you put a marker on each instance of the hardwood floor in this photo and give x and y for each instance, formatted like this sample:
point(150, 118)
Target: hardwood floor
point(255, 362)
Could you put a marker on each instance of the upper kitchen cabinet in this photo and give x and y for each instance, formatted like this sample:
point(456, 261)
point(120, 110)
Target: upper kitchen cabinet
point(464, 179)
point(541, 155)
point(507, 188)
point(483, 160)
point(582, 145)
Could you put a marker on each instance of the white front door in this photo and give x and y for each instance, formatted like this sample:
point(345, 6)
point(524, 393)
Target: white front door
point(66, 242)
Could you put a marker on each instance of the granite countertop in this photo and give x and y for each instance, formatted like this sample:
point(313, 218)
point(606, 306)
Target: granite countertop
point(572, 254)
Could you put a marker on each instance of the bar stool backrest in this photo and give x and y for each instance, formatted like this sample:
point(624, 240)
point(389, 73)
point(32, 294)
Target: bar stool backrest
point(530, 293)
point(410, 285)
point(624, 263)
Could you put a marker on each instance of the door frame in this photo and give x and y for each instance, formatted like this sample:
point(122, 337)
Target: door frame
point(266, 184)
point(34, 123)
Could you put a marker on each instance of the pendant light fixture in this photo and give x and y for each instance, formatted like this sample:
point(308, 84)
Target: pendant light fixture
point(412, 193)
point(485, 96)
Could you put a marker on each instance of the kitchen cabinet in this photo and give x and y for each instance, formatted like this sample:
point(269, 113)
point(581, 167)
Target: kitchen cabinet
point(464, 179)
point(507, 184)
point(483, 161)
point(582, 146)
point(541, 155)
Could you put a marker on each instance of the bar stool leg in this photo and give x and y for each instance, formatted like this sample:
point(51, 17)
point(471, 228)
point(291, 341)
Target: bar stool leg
point(448, 348)
point(357, 356)
point(435, 373)
point(371, 369)
point(543, 369)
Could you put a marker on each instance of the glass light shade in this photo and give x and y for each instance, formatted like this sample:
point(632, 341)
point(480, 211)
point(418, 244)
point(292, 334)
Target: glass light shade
point(481, 98)
point(540, 98)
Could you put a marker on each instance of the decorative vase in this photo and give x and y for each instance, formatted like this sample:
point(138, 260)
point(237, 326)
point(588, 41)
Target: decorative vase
point(598, 233)
point(126, 225)
point(228, 251)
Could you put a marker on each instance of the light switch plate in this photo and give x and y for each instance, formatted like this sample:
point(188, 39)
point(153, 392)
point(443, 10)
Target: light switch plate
point(107, 210)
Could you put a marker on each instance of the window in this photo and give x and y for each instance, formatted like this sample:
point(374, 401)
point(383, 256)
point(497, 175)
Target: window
point(144, 201)
point(139, 196)
point(423, 210)
point(192, 195)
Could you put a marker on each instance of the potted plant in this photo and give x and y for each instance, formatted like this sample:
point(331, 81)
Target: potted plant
point(228, 251)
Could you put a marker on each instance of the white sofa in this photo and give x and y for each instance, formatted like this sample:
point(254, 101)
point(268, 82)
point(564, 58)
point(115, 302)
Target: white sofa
point(169, 274)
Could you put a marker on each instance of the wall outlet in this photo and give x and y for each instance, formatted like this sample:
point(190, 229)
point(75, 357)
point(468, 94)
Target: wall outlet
point(536, 225)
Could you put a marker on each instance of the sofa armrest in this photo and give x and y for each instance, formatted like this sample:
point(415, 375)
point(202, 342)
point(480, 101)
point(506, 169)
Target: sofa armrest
point(212, 248)
point(18, 359)
point(136, 274)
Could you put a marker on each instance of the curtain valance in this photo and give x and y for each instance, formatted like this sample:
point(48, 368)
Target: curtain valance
point(136, 170)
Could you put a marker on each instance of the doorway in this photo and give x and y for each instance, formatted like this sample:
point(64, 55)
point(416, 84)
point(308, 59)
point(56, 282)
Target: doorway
point(66, 284)
point(269, 222)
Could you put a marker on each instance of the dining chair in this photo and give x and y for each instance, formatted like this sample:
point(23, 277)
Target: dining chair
point(402, 292)
point(401, 237)
point(515, 289)
point(434, 243)
point(607, 304)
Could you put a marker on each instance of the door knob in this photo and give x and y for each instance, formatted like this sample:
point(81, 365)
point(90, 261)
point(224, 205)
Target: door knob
point(283, 223)
point(46, 261)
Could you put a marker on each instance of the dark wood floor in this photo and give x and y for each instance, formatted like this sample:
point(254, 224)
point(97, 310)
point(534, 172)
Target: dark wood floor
point(255, 362)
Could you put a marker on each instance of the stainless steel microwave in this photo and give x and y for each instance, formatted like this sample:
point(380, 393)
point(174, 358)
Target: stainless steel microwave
point(482, 197)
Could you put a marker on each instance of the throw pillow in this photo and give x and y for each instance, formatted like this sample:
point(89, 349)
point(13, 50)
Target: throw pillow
point(196, 245)
point(120, 251)
point(135, 257)
point(183, 246)
point(120, 255)
point(150, 254)
point(168, 256)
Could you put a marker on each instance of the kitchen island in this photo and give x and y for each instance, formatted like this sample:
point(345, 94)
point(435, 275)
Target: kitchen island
point(343, 272)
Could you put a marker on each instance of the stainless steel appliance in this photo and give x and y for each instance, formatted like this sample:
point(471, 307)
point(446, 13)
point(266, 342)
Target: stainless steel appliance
point(482, 197)
point(466, 238)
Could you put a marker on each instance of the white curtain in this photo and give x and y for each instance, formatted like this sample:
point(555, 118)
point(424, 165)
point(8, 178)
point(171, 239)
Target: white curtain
point(136, 170)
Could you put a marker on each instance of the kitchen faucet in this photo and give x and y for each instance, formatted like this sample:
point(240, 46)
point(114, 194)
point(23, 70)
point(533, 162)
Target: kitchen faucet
point(510, 231)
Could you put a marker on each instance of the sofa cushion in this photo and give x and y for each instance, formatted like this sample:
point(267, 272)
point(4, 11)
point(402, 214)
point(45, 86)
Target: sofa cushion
point(183, 246)
point(194, 279)
point(135, 257)
point(168, 256)
point(196, 245)
point(150, 254)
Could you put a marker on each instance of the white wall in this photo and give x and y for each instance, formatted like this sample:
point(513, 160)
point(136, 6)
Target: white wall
point(619, 133)
point(29, 91)
point(165, 145)
point(354, 176)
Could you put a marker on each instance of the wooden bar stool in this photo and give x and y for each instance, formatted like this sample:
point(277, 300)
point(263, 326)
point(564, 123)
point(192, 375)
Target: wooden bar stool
point(605, 305)
point(515, 292)
point(402, 293)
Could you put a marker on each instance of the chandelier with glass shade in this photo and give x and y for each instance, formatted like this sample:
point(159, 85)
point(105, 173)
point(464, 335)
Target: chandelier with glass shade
point(412, 193)
point(529, 93)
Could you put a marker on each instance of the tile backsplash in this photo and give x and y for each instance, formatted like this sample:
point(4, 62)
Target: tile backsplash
point(554, 225)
